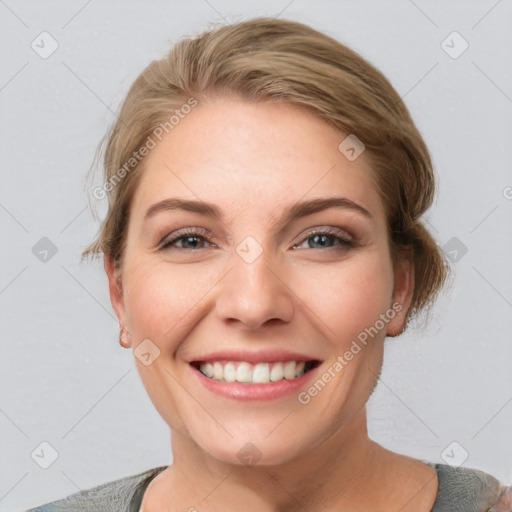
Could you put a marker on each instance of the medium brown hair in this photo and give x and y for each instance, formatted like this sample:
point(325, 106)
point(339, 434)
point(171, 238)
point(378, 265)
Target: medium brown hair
point(269, 60)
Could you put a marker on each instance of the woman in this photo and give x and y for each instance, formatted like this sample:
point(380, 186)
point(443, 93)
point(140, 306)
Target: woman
point(264, 236)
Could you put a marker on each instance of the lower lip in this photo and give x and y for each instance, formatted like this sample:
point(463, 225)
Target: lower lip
point(246, 392)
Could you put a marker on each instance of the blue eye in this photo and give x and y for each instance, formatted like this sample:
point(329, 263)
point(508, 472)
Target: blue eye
point(327, 239)
point(190, 238)
point(195, 239)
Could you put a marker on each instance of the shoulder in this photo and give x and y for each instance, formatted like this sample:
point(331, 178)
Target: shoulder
point(122, 495)
point(465, 489)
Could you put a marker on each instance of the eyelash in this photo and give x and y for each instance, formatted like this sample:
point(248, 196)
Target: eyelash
point(201, 234)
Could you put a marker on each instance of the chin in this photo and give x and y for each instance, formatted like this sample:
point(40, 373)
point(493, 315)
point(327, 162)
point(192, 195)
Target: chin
point(251, 454)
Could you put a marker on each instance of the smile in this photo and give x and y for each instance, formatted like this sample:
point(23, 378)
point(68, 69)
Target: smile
point(260, 373)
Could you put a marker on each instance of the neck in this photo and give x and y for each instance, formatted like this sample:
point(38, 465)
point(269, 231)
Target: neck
point(343, 472)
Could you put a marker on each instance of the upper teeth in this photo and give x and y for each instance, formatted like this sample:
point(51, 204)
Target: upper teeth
point(260, 373)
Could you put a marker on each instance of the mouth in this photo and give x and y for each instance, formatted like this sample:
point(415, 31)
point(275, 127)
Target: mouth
point(244, 372)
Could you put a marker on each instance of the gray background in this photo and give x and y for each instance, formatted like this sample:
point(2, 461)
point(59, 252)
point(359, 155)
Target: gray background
point(64, 378)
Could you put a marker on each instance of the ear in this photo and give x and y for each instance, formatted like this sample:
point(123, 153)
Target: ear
point(402, 292)
point(115, 288)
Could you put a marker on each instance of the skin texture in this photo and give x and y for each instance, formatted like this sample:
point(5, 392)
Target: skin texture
point(253, 161)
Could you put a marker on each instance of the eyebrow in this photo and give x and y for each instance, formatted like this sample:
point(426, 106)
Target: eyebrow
point(298, 210)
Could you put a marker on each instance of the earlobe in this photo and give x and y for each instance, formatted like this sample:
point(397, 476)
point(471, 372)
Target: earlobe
point(402, 293)
point(124, 337)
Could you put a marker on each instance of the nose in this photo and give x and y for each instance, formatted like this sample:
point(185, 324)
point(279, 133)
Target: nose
point(254, 295)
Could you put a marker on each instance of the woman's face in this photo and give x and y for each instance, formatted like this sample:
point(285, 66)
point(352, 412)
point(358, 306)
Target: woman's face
point(234, 268)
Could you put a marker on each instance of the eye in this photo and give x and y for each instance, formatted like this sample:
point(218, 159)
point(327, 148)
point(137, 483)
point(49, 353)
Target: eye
point(196, 239)
point(328, 238)
point(190, 239)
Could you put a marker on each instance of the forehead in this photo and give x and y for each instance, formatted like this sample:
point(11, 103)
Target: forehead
point(255, 156)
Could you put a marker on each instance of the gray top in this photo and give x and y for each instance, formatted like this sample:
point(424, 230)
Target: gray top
point(460, 490)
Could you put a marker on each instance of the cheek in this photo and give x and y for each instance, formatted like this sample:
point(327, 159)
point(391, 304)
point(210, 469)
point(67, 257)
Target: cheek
point(341, 298)
point(160, 297)
point(350, 296)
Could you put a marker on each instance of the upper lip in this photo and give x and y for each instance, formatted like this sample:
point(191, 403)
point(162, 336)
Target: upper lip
point(253, 357)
